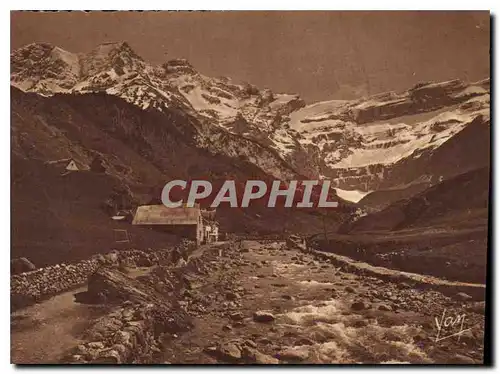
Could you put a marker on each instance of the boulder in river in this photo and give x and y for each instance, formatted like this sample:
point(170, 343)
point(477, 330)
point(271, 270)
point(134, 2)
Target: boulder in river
point(227, 352)
point(253, 356)
point(462, 296)
point(295, 242)
point(293, 354)
point(263, 316)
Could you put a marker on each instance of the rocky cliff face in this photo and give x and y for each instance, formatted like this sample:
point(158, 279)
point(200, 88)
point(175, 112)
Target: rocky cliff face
point(358, 144)
point(362, 143)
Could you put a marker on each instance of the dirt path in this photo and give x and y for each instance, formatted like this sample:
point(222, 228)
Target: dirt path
point(40, 333)
point(319, 314)
point(43, 333)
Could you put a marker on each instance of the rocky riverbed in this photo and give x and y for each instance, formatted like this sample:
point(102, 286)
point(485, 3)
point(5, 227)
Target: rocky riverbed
point(266, 303)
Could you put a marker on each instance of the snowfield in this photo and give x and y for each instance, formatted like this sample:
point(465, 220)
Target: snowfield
point(353, 195)
point(323, 137)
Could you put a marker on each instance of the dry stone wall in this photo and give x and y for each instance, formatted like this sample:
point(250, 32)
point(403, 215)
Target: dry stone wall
point(34, 286)
point(133, 331)
point(130, 334)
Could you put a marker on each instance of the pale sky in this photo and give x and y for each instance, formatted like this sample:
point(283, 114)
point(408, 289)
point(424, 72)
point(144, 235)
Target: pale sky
point(319, 55)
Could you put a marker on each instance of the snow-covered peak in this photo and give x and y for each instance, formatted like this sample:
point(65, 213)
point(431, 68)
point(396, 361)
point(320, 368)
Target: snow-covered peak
point(387, 127)
point(116, 69)
point(116, 57)
point(179, 66)
point(372, 132)
point(32, 51)
point(43, 68)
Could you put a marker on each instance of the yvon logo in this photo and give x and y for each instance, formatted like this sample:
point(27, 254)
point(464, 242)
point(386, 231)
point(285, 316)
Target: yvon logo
point(449, 326)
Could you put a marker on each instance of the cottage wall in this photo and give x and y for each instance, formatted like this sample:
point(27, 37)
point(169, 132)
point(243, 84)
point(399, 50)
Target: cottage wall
point(182, 221)
point(190, 232)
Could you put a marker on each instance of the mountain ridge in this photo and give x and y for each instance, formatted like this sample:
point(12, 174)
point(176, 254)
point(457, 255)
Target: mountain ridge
point(354, 143)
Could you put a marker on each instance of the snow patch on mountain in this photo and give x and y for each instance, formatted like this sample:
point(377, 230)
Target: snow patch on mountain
point(351, 195)
point(320, 138)
point(332, 127)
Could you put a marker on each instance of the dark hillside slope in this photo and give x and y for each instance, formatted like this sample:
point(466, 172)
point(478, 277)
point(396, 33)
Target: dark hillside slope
point(139, 149)
point(442, 231)
point(462, 200)
point(60, 218)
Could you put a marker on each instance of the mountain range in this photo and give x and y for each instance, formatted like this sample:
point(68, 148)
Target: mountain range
point(359, 144)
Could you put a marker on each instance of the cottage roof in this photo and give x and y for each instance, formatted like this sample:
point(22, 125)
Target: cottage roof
point(161, 215)
point(69, 163)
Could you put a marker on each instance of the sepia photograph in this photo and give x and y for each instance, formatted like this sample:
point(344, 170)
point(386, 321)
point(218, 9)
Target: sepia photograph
point(250, 187)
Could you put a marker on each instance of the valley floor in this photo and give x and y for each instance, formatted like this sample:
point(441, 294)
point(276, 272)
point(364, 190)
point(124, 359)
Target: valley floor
point(267, 303)
point(318, 314)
